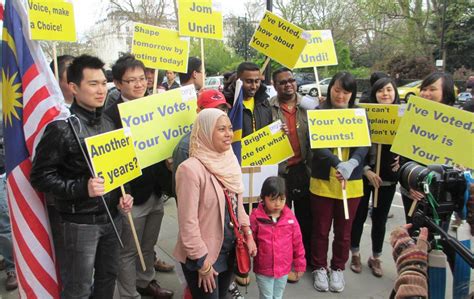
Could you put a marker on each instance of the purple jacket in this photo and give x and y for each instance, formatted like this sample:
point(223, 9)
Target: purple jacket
point(279, 244)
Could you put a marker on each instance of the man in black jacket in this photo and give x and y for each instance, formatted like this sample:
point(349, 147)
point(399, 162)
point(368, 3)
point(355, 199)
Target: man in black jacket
point(257, 111)
point(129, 77)
point(60, 169)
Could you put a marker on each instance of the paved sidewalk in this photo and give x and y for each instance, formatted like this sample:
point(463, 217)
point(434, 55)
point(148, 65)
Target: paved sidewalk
point(363, 285)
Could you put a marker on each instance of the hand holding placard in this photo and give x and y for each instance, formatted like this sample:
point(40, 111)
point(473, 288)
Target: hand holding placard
point(267, 146)
point(337, 128)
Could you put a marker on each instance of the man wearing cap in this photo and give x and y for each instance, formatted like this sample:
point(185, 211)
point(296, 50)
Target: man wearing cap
point(210, 98)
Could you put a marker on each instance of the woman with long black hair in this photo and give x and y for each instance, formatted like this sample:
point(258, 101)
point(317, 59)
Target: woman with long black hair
point(384, 91)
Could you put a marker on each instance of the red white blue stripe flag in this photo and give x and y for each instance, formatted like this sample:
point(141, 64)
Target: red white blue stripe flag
point(31, 99)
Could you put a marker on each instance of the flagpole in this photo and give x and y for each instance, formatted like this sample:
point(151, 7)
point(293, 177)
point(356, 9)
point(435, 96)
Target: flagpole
point(155, 80)
point(55, 61)
point(202, 59)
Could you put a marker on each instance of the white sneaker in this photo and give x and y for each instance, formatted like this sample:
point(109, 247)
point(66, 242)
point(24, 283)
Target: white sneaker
point(336, 281)
point(320, 280)
point(234, 291)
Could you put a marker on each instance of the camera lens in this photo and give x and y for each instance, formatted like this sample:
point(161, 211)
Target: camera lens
point(412, 174)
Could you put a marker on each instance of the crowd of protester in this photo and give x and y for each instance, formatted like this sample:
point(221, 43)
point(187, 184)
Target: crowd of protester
point(290, 223)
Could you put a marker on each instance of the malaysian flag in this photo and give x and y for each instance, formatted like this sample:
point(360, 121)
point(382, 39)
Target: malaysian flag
point(31, 100)
point(236, 115)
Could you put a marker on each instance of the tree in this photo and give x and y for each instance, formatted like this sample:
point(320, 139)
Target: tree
point(459, 41)
point(410, 67)
point(217, 57)
point(240, 34)
point(151, 12)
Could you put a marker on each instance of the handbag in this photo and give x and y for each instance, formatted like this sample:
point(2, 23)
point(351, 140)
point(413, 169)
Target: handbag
point(242, 255)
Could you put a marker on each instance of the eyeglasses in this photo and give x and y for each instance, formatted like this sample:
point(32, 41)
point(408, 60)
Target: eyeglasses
point(135, 81)
point(284, 82)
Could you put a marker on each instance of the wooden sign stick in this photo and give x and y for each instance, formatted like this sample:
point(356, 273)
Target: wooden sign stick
point(134, 233)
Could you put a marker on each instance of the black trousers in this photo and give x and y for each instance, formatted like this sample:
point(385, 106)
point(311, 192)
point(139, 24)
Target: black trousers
point(297, 195)
point(223, 281)
point(379, 216)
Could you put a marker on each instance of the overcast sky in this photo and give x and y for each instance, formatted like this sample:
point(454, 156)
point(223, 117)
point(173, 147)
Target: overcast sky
point(88, 11)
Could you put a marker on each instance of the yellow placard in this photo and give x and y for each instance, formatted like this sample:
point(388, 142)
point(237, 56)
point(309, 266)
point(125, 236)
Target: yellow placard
point(200, 18)
point(434, 133)
point(384, 121)
point(338, 128)
point(319, 50)
point(267, 146)
point(159, 121)
point(51, 20)
point(113, 158)
point(279, 39)
point(160, 48)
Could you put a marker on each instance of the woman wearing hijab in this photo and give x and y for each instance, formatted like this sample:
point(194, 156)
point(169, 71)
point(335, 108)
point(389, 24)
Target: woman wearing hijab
point(205, 246)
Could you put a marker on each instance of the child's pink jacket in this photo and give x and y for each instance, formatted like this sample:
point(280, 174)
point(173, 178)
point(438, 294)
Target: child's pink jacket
point(279, 244)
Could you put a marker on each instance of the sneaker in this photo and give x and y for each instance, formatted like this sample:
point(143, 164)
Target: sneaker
point(356, 265)
point(320, 280)
point(234, 291)
point(165, 197)
point(336, 281)
point(375, 265)
point(11, 283)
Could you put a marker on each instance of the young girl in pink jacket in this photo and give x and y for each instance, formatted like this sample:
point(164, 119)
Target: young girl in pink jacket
point(278, 238)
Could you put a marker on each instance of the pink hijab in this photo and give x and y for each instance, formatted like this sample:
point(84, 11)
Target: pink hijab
point(224, 166)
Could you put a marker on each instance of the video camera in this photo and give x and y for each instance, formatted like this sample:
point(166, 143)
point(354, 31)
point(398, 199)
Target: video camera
point(448, 187)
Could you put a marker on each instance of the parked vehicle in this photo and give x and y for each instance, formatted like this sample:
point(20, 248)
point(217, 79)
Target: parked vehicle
point(408, 90)
point(413, 89)
point(215, 82)
point(312, 89)
point(463, 98)
point(303, 79)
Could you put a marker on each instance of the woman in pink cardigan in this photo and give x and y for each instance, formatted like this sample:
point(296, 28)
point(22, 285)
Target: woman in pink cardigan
point(278, 238)
point(205, 246)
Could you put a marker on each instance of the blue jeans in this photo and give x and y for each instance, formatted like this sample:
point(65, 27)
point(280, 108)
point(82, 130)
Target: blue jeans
point(6, 246)
point(91, 253)
point(270, 287)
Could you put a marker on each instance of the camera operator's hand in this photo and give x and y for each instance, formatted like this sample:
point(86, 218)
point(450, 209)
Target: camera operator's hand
point(416, 195)
point(373, 178)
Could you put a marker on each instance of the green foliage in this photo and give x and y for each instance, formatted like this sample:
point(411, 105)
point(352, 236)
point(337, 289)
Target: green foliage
point(410, 67)
point(217, 57)
point(240, 37)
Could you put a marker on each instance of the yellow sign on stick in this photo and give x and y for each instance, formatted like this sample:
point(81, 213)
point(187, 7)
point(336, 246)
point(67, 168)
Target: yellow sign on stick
point(113, 158)
point(338, 128)
point(200, 18)
point(384, 121)
point(433, 133)
point(159, 121)
point(160, 48)
point(51, 20)
point(267, 146)
point(319, 50)
point(279, 39)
